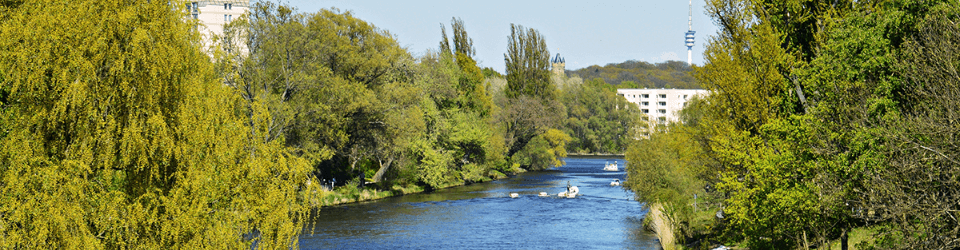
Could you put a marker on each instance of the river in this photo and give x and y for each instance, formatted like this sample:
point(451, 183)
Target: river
point(483, 216)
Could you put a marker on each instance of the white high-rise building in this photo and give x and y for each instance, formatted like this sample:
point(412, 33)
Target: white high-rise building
point(661, 105)
point(214, 14)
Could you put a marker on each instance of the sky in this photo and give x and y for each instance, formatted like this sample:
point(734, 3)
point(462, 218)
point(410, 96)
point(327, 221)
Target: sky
point(585, 33)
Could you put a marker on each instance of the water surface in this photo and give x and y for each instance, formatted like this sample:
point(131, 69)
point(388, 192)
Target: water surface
point(483, 216)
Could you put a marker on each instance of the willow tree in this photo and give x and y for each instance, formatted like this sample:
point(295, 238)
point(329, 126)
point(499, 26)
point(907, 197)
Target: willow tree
point(117, 134)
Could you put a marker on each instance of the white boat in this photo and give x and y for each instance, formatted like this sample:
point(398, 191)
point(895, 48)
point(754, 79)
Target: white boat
point(544, 194)
point(615, 182)
point(514, 195)
point(611, 167)
point(570, 194)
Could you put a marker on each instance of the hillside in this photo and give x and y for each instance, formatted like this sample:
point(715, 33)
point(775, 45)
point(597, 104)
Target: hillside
point(637, 74)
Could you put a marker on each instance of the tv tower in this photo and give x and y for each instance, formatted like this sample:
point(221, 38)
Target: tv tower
point(689, 36)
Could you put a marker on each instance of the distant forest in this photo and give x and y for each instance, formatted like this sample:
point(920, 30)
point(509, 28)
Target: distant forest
point(637, 74)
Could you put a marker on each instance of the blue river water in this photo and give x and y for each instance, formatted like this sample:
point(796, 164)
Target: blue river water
point(483, 216)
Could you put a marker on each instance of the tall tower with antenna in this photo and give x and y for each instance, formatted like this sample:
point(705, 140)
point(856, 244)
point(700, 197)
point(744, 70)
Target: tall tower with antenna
point(689, 37)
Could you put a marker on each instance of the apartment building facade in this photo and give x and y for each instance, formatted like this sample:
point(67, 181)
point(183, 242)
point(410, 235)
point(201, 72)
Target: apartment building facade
point(214, 15)
point(661, 105)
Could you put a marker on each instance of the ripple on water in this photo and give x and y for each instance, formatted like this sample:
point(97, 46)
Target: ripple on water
point(482, 216)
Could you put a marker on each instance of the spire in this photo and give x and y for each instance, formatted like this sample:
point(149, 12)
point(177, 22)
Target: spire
point(690, 17)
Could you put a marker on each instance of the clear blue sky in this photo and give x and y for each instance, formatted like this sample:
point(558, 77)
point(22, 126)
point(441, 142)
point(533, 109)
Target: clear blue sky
point(583, 32)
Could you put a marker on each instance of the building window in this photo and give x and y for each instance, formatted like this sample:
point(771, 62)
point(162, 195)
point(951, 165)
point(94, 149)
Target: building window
point(684, 97)
point(646, 103)
point(195, 16)
point(663, 95)
point(225, 18)
point(662, 111)
point(646, 95)
point(646, 111)
point(662, 119)
point(230, 5)
point(192, 7)
point(662, 103)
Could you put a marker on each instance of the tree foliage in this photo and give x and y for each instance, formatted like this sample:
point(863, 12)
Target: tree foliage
point(670, 169)
point(598, 120)
point(819, 120)
point(321, 77)
point(637, 74)
point(117, 134)
point(527, 64)
point(914, 194)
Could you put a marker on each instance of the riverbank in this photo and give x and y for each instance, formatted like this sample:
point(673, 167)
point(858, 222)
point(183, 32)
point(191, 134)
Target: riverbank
point(350, 193)
point(596, 155)
point(618, 156)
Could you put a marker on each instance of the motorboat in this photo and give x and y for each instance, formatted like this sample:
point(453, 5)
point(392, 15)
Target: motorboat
point(611, 167)
point(615, 182)
point(514, 195)
point(573, 192)
point(544, 194)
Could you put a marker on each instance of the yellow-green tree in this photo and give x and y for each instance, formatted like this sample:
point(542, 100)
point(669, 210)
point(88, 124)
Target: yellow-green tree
point(117, 134)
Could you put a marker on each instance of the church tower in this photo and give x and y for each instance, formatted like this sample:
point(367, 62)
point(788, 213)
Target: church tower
point(557, 64)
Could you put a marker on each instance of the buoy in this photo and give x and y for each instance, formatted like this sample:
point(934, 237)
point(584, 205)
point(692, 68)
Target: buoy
point(514, 195)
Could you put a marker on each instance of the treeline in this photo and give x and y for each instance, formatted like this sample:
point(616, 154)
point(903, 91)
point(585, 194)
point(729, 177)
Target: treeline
point(597, 119)
point(343, 94)
point(638, 74)
point(824, 118)
point(120, 131)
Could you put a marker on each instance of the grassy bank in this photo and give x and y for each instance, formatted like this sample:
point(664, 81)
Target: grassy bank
point(321, 196)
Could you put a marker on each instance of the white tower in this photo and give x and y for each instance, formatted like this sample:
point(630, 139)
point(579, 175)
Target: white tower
point(689, 36)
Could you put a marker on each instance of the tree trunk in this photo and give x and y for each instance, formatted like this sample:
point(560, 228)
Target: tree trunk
point(383, 169)
point(843, 240)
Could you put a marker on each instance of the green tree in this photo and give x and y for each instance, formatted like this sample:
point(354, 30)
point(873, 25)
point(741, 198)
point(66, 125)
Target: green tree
point(319, 76)
point(119, 135)
point(527, 63)
point(598, 119)
point(544, 151)
point(913, 101)
point(778, 194)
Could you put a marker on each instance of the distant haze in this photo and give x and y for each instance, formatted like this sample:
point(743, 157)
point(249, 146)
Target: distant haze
point(584, 32)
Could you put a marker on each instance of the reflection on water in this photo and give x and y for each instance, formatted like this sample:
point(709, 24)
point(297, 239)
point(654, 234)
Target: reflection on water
point(483, 216)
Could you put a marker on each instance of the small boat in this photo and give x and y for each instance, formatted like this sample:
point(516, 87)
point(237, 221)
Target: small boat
point(514, 195)
point(611, 167)
point(544, 194)
point(615, 182)
point(573, 191)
